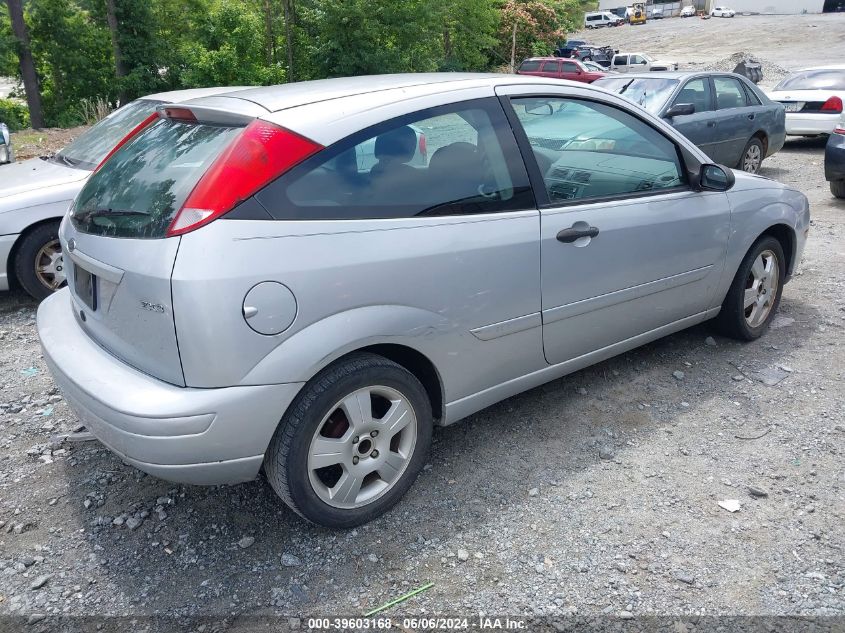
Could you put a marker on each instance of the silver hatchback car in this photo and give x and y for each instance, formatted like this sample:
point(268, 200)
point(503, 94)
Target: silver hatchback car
point(251, 288)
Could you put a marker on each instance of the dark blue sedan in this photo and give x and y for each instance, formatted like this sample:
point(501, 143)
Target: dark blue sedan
point(724, 114)
point(834, 159)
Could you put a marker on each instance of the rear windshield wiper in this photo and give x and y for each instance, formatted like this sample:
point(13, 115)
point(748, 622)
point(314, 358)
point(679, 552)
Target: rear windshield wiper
point(106, 213)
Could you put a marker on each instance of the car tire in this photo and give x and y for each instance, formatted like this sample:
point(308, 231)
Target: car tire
point(837, 188)
point(38, 264)
point(759, 279)
point(752, 156)
point(316, 429)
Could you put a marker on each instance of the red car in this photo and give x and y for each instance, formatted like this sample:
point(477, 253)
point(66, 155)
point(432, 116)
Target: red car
point(557, 68)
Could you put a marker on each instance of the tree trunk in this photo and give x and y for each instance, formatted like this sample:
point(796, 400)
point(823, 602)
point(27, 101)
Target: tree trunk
point(447, 43)
point(513, 48)
point(111, 18)
point(269, 36)
point(289, 18)
point(27, 66)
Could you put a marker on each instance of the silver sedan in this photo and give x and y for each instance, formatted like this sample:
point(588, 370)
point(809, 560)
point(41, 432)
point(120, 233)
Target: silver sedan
point(244, 291)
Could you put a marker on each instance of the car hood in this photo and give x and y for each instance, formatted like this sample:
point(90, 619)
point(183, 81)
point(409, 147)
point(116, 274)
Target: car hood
point(37, 174)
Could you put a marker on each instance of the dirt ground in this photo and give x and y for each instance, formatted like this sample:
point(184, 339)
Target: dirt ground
point(595, 495)
point(31, 143)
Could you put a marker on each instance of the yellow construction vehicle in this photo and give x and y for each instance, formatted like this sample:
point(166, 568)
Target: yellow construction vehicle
point(637, 13)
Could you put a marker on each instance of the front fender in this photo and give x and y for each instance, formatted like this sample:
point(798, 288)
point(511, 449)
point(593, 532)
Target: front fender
point(304, 354)
point(755, 211)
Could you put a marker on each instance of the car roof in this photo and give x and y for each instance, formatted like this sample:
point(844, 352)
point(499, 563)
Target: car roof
point(827, 67)
point(292, 95)
point(178, 96)
point(680, 74)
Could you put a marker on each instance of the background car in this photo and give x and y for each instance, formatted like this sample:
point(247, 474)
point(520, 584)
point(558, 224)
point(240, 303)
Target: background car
point(570, 69)
point(656, 13)
point(639, 62)
point(834, 159)
point(6, 154)
point(722, 12)
point(601, 55)
point(36, 193)
point(724, 114)
point(243, 294)
point(813, 98)
point(688, 12)
point(596, 67)
point(566, 49)
point(599, 19)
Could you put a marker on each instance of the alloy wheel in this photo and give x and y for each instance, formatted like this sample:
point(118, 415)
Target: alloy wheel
point(362, 447)
point(752, 159)
point(761, 288)
point(49, 266)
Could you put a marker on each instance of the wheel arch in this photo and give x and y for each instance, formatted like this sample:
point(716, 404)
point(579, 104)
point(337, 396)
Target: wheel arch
point(764, 139)
point(11, 273)
point(784, 234)
point(415, 362)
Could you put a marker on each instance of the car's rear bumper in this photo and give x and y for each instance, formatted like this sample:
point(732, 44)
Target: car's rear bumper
point(798, 124)
point(834, 158)
point(6, 244)
point(197, 436)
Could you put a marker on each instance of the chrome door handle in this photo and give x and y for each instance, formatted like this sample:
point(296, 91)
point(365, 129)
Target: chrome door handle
point(567, 236)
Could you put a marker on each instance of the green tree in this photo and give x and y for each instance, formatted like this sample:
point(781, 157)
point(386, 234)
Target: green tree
point(229, 50)
point(468, 34)
point(69, 73)
point(529, 27)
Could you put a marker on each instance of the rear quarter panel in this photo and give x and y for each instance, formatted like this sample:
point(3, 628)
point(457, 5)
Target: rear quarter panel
point(422, 283)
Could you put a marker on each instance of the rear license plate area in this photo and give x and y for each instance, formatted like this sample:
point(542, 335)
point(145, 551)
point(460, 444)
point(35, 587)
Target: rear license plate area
point(794, 106)
point(85, 285)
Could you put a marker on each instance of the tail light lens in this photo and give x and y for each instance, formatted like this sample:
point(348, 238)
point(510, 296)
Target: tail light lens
point(134, 132)
point(833, 105)
point(260, 154)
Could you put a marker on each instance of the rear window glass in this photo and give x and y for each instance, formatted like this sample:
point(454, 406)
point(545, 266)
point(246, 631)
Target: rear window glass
point(530, 66)
point(814, 80)
point(90, 148)
point(142, 187)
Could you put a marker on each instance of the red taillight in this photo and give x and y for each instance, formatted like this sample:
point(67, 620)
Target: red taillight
point(423, 146)
point(839, 130)
point(833, 105)
point(128, 137)
point(259, 154)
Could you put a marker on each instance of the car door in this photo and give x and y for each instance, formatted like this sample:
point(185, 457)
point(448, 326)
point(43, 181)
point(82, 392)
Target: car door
point(637, 63)
point(734, 120)
point(551, 69)
point(626, 246)
point(620, 63)
point(700, 126)
point(571, 71)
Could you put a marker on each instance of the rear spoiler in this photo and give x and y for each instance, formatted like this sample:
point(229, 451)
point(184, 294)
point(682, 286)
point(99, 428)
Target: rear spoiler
point(219, 110)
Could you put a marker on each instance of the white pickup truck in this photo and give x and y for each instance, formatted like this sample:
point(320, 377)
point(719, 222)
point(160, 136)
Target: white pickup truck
point(639, 62)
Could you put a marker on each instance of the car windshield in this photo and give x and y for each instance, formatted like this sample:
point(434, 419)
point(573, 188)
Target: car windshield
point(87, 151)
point(814, 80)
point(650, 93)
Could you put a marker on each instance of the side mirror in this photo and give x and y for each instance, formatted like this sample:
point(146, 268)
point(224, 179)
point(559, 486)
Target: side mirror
point(715, 178)
point(680, 109)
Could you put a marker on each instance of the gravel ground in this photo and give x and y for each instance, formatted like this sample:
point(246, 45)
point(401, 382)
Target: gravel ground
point(782, 43)
point(597, 494)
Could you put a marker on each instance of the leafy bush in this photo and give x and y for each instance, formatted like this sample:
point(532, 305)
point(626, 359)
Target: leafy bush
point(14, 114)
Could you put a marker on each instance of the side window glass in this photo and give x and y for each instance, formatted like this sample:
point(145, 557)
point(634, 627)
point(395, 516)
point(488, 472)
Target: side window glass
point(729, 93)
point(551, 67)
point(621, 60)
point(752, 98)
point(696, 92)
point(569, 67)
point(530, 66)
point(445, 161)
point(636, 59)
point(591, 150)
